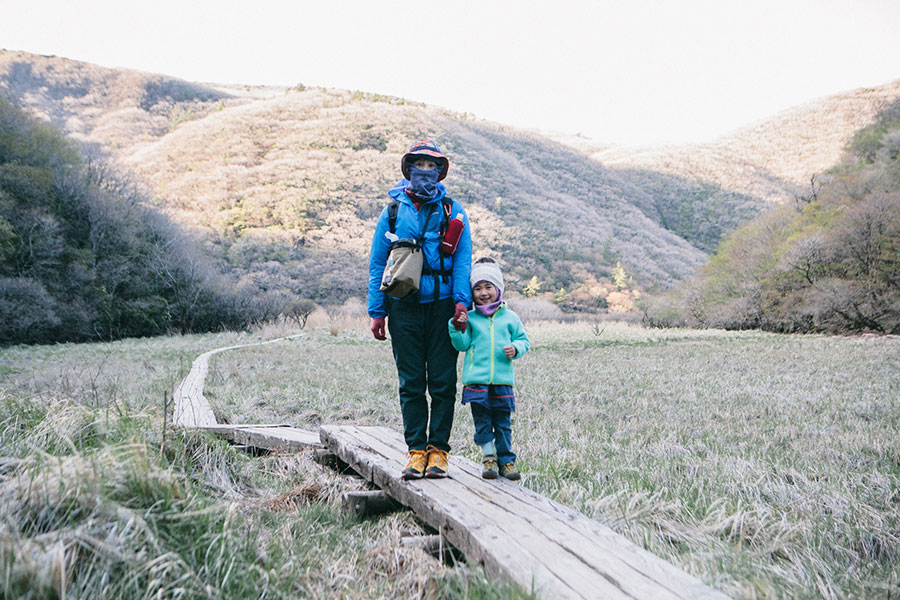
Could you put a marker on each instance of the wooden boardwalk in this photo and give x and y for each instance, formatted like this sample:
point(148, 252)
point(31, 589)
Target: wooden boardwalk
point(513, 532)
point(192, 410)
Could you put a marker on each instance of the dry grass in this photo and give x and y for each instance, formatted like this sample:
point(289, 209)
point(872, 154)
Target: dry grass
point(96, 503)
point(766, 465)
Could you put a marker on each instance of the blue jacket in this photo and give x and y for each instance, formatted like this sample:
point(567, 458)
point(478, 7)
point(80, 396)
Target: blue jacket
point(409, 224)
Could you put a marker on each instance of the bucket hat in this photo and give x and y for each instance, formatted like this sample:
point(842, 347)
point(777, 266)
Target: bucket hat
point(426, 148)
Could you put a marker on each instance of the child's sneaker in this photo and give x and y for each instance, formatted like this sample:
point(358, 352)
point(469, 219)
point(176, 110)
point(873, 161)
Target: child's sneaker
point(415, 468)
point(490, 466)
point(510, 471)
point(438, 463)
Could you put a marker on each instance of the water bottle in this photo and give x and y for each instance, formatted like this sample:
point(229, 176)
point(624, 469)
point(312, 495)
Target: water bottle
point(451, 237)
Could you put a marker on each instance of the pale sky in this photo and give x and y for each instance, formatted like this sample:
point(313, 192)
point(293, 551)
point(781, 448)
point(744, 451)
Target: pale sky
point(619, 72)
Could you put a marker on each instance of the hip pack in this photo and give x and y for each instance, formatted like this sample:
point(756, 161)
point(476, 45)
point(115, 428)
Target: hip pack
point(403, 269)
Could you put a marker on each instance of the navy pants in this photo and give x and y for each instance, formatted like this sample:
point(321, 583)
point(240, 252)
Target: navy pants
point(426, 360)
point(494, 424)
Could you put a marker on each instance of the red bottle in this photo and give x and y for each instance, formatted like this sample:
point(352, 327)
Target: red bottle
point(451, 237)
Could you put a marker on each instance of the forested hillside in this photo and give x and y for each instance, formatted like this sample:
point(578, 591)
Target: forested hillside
point(83, 258)
point(829, 261)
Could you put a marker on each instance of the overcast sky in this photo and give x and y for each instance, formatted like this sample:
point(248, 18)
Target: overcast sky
point(620, 72)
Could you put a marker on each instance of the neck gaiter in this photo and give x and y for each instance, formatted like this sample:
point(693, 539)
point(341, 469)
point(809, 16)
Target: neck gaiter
point(424, 183)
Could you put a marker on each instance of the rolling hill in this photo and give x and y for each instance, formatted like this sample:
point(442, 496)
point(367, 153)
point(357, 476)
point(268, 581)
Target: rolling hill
point(772, 159)
point(284, 184)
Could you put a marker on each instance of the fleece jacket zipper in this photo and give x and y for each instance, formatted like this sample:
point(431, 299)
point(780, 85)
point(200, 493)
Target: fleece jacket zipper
point(492, 348)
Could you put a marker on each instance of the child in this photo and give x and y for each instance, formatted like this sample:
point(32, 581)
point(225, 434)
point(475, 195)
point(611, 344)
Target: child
point(493, 338)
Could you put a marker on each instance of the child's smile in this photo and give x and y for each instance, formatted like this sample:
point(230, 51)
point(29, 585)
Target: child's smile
point(484, 292)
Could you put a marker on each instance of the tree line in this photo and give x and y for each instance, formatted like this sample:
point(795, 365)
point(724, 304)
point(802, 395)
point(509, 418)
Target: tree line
point(84, 256)
point(828, 262)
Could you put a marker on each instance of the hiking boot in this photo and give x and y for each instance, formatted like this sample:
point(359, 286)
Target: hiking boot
point(438, 463)
point(510, 471)
point(415, 468)
point(490, 466)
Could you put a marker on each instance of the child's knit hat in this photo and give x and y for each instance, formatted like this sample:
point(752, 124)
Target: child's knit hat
point(487, 269)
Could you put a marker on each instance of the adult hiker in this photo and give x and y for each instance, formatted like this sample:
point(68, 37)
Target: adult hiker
point(419, 267)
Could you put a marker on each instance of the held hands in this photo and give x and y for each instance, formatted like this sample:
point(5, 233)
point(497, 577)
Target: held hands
point(377, 328)
point(509, 351)
point(460, 317)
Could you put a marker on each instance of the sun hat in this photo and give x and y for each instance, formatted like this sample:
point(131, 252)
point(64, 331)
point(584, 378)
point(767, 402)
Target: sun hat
point(426, 148)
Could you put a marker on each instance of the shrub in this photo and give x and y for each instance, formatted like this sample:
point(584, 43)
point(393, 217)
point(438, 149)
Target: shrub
point(299, 311)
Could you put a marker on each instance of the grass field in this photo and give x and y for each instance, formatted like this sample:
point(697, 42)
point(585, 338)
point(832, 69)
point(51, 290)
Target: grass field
point(766, 465)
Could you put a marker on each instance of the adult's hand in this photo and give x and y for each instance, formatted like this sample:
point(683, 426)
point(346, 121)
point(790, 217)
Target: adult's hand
point(459, 323)
point(377, 328)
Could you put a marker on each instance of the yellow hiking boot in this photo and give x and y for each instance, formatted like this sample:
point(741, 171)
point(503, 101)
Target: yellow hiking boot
point(415, 468)
point(489, 462)
point(510, 471)
point(438, 463)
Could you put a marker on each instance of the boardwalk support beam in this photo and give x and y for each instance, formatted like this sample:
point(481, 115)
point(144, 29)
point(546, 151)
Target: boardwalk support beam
point(366, 504)
point(436, 546)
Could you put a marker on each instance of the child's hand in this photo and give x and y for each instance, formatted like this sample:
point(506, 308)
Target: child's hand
point(463, 318)
point(509, 351)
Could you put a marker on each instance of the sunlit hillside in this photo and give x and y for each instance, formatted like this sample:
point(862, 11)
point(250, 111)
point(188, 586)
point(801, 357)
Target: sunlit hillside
point(286, 187)
point(284, 184)
point(772, 159)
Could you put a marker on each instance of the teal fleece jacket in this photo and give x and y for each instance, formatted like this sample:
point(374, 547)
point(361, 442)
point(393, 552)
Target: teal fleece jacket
point(483, 342)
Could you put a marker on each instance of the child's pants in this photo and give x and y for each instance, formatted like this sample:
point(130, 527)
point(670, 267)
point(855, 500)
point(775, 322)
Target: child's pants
point(493, 424)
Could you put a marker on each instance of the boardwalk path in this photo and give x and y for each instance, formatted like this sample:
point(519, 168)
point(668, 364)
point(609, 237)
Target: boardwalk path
point(191, 409)
point(512, 532)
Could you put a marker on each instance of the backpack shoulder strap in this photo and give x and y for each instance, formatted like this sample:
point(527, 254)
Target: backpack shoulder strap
point(393, 208)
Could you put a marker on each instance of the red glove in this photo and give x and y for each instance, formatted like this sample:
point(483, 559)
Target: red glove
point(460, 310)
point(377, 328)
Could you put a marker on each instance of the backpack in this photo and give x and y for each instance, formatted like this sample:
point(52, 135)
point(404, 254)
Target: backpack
point(406, 257)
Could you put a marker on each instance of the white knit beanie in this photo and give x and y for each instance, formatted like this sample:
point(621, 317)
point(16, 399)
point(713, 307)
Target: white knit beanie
point(488, 270)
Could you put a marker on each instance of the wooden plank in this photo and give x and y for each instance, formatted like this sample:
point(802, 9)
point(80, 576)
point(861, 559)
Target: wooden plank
point(273, 438)
point(191, 409)
point(503, 543)
point(513, 532)
point(482, 540)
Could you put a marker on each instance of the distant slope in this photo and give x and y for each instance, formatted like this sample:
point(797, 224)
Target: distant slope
point(288, 186)
point(99, 107)
point(827, 263)
point(311, 169)
point(773, 159)
point(704, 191)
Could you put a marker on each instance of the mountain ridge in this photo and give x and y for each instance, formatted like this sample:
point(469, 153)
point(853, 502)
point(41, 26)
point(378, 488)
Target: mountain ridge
point(788, 148)
point(284, 184)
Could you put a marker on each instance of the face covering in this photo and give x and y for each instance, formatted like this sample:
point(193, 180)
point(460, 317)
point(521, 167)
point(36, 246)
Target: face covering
point(422, 183)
